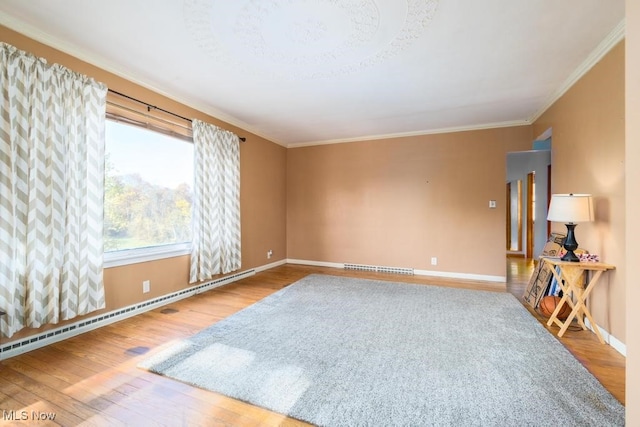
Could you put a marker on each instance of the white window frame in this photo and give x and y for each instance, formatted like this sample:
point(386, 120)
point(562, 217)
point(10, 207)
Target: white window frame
point(150, 253)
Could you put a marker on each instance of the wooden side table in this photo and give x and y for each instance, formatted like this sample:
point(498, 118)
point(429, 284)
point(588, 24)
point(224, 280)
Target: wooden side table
point(570, 277)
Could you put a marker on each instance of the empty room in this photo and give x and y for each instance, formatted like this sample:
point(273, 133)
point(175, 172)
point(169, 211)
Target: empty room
point(325, 212)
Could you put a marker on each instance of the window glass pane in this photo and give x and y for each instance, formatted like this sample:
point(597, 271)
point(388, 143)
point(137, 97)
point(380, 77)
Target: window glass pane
point(148, 188)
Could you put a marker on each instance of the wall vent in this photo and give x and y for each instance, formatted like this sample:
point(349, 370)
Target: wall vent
point(23, 345)
point(379, 269)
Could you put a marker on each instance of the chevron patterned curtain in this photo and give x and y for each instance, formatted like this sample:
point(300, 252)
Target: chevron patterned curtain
point(51, 180)
point(216, 206)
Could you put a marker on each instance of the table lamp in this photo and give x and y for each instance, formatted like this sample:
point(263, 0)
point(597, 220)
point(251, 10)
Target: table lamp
point(570, 209)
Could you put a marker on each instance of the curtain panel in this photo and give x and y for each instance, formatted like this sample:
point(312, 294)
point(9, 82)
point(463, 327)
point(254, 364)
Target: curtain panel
point(52, 185)
point(216, 206)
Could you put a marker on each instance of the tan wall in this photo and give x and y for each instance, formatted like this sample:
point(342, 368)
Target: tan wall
point(399, 202)
point(262, 196)
point(632, 158)
point(588, 143)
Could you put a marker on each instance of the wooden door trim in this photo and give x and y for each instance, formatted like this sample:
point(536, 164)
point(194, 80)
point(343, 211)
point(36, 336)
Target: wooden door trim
point(530, 224)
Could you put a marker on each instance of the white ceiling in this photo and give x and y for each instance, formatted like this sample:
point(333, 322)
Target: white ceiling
point(320, 71)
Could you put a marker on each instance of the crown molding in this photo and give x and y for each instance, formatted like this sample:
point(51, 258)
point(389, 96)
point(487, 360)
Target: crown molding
point(73, 50)
point(612, 39)
point(484, 126)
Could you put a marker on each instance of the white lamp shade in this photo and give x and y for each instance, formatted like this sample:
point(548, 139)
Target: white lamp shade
point(570, 208)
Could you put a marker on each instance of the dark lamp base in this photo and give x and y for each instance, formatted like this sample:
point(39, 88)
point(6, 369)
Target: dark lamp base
point(570, 244)
point(570, 256)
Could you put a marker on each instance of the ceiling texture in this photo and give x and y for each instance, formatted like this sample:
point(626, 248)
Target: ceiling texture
point(303, 72)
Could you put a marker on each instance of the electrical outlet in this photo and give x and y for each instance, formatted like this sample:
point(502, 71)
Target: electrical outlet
point(269, 254)
point(434, 260)
point(146, 286)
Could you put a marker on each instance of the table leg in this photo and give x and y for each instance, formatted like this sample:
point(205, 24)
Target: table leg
point(582, 305)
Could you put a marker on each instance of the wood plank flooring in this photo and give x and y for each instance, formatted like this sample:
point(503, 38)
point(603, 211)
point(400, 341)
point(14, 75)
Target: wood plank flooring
point(92, 379)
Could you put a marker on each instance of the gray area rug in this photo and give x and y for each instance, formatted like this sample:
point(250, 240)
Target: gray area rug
point(338, 351)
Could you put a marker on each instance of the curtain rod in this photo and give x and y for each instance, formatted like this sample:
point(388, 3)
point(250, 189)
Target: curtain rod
point(153, 107)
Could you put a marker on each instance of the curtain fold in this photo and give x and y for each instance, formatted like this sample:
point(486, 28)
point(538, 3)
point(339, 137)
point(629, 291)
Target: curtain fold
point(216, 206)
point(52, 184)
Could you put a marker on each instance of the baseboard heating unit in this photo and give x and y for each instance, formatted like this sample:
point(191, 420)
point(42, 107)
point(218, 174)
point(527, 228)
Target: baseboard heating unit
point(25, 344)
point(379, 269)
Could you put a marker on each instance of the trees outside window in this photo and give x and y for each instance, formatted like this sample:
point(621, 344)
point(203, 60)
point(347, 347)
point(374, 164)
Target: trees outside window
point(148, 188)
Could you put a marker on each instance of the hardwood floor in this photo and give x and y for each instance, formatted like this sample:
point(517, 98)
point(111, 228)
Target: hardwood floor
point(92, 379)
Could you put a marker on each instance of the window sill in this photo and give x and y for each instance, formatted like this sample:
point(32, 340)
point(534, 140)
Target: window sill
point(135, 256)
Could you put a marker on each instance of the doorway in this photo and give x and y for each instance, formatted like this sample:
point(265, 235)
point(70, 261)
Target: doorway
point(528, 208)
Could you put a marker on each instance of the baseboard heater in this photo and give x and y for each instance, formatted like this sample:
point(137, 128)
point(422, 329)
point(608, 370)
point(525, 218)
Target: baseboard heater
point(379, 269)
point(23, 345)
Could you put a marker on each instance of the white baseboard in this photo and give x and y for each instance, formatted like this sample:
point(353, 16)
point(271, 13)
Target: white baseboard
point(618, 345)
point(315, 263)
point(451, 275)
point(464, 276)
point(270, 265)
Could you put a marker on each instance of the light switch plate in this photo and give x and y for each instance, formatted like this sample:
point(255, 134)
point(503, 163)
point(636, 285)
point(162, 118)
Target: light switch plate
point(492, 204)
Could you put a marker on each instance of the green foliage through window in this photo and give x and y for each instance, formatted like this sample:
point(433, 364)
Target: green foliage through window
point(148, 188)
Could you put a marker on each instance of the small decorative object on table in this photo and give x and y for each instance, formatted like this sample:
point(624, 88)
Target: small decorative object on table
point(589, 257)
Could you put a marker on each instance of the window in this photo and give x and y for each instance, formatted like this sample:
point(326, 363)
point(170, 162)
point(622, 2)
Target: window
point(148, 194)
